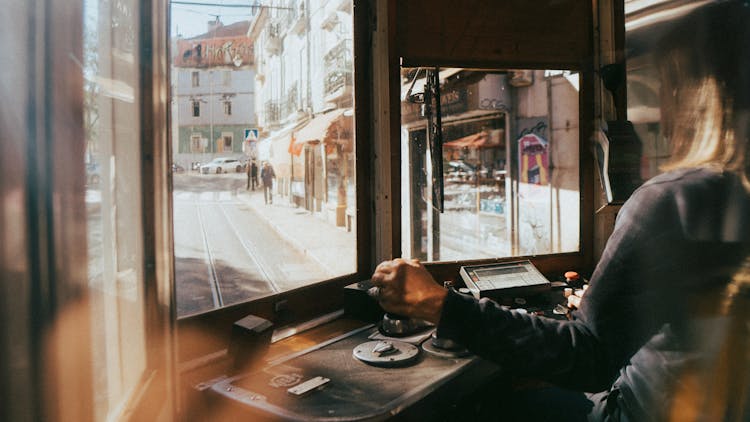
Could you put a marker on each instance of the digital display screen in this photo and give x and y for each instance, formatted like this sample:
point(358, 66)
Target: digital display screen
point(500, 271)
point(516, 278)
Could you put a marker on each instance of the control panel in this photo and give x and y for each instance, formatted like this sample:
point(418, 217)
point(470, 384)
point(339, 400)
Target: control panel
point(506, 279)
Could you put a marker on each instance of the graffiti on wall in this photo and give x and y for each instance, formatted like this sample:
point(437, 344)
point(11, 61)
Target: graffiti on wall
point(224, 51)
point(533, 155)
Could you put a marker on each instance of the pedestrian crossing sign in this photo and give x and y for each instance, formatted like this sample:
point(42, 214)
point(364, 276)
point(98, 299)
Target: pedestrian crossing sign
point(251, 135)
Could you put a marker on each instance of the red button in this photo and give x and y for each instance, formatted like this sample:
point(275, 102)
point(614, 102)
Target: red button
point(571, 276)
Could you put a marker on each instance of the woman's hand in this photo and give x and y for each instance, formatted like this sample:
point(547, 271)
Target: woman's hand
point(406, 288)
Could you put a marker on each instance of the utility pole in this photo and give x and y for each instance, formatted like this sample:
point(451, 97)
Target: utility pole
point(211, 139)
point(434, 161)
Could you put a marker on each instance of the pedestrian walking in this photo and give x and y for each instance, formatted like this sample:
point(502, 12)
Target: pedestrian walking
point(267, 175)
point(252, 176)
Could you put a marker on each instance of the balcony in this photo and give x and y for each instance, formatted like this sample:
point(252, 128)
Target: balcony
point(299, 19)
point(291, 106)
point(345, 6)
point(338, 70)
point(340, 54)
point(337, 84)
point(331, 21)
point(272, 113)
point(273, 39)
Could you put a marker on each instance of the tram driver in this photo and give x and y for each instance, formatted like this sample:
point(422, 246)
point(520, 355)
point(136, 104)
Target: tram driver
point(677, 242)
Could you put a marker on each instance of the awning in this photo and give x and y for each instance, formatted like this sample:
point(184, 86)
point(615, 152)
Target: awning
point(483, 139)
point(314, 131)
point(340, 132)
point(419, 83)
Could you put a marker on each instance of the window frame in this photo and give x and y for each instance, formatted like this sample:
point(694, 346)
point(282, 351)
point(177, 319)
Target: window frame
point(549, 264)
point(51, 314)
point(377, 64)
point(207, 333)
point(196, 105)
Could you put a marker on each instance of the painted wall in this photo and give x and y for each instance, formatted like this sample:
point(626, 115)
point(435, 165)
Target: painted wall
point(548, 209)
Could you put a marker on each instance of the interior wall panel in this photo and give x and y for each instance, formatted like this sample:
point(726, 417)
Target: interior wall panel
point(534, 34)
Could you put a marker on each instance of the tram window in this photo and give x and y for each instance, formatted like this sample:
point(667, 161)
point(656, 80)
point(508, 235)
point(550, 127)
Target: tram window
point(510, 163)
point(644, 84)
point(644, 111)
point(113, 202)
point(289, 72)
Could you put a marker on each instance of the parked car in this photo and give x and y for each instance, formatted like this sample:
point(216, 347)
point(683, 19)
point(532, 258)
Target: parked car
point(176, 168)
point(222, 165)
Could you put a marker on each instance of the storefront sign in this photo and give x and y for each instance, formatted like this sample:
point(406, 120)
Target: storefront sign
point(453, 101)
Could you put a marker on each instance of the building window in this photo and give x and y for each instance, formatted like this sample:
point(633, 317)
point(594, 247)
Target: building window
point(196, 79)
point(318, 175)
point(196, 143)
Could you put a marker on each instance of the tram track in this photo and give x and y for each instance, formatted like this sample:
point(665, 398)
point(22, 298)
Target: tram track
point(250, 253)
point(218, 301)
point(226, 252)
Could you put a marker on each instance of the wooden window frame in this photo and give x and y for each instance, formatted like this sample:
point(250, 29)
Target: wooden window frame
point(208, 333)
point(415, 51)
point(377, 62)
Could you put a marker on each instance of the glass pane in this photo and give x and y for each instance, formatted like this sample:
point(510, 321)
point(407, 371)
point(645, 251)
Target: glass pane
point(509, 178)
point(264, 194)
point(644, 87)
point(113, 196)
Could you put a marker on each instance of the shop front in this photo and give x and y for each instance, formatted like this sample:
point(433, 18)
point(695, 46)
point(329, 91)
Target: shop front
point(322, 156)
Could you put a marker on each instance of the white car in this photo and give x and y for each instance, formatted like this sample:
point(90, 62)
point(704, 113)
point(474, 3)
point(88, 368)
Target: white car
point(222, 165)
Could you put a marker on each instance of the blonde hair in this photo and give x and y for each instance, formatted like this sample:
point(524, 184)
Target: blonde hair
point(704, 98)
point(704, 63)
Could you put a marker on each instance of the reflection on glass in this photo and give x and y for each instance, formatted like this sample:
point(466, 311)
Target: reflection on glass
point(510, 164)
point(113, 192)
point(262, 149)
point(645, 114)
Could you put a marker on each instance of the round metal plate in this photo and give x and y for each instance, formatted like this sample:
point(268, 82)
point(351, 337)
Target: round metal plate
point(444, 353)
point(403, 354)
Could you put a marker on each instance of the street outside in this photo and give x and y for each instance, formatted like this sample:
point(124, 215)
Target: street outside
point(226, 251)
point(230, 246)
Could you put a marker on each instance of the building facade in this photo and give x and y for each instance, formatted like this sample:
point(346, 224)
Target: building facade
point(213, 80)
point(304, 97)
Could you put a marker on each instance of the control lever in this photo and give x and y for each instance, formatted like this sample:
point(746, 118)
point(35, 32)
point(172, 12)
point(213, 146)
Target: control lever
point(395, 325)
point(444, 346)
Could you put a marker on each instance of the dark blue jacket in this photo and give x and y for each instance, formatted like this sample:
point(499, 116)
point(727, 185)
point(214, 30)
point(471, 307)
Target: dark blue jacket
point(680, 236)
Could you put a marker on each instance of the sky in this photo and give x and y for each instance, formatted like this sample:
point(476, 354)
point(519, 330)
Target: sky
point(191, 20)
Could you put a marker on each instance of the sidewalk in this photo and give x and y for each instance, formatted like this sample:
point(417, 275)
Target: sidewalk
point(332, 247)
